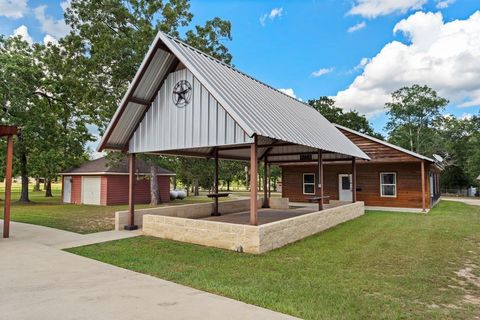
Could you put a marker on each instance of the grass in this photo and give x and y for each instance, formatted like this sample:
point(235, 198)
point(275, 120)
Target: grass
point(51, 212)
point(383, 265)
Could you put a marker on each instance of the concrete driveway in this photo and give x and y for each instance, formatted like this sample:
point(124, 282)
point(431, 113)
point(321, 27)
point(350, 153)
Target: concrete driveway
point(39, 281)
point(470, 201)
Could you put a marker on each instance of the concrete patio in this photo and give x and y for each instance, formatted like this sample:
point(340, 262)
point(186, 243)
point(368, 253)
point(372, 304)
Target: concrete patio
point(270, 215)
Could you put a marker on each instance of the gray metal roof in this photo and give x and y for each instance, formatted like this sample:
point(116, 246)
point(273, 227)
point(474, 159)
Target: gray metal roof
point(102, 166)
point(258, 108)
point(414, 154)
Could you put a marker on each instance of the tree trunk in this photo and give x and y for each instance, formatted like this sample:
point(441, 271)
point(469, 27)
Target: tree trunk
point(48, 189)
point(196, 189)
point(24, 197)
point(154, 191)
point(247, 184)
point(36, 188)
point(228, 185)
point(174, 183)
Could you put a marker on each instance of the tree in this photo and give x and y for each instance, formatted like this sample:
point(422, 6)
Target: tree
point(351, 119)
point(412, 113)
point(230, 171)
point(113, 38)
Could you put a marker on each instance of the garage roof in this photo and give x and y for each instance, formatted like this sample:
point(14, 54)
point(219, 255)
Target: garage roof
point(100, 166)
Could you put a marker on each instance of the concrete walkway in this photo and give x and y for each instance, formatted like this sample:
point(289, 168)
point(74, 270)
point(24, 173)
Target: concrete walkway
point(470, 201)
point(39, 281)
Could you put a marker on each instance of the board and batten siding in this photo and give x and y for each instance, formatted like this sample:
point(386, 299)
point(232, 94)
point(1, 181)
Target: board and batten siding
point(201, 123)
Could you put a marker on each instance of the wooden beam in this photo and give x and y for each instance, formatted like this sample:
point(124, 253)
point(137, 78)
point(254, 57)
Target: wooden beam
point(139, 101)
point(422, 169)
point(320, 179)
point(354, 180)
point(296, 153)
point(131, 192)
point(266, 201)
point(215, 186)
point(307, 161)
point(253, 183)
point(8, 131)
point(8, 187)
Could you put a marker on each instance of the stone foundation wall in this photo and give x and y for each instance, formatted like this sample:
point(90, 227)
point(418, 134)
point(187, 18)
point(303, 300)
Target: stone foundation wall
point(277, 234)
point(251, 239)
point(223, 235)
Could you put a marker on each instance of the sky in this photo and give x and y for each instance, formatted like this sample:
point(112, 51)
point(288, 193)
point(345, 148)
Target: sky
point(356, 51)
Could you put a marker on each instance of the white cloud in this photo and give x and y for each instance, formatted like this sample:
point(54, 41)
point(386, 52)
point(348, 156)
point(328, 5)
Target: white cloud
point(322, 72)
point(14, 9)
point(274, 13)
point(444, 56)
point(49, 39)
point(442, 4)
point(357, 27)
point(49, 25)
point(22, 31)
point(288, 91)
point(375, 8)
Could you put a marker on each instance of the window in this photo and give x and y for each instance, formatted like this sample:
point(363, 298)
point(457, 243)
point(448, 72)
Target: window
point(308, 183)
point(388, 184)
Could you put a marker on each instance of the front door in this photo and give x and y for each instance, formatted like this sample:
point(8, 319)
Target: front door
point(345, 187)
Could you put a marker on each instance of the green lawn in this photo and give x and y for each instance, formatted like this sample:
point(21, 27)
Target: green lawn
point(380, 266)
point(51, 212)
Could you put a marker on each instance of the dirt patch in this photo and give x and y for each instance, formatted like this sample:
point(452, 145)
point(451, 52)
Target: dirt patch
point(467, 274)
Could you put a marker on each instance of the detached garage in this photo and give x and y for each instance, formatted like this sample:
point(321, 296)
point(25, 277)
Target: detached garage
point(96, 183)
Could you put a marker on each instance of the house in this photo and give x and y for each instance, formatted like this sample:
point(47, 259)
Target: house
point(95, 182)
point(392, 178)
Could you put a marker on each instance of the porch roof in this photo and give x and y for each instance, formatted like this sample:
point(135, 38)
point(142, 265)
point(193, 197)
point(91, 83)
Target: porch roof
point(283, 125)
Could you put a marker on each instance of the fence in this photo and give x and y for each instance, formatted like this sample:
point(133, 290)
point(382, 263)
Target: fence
point(461, 192)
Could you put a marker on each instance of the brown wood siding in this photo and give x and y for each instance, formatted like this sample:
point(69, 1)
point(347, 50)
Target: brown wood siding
point(377, 151)
point(409, 188)
point(76, 197)
point(117, 190)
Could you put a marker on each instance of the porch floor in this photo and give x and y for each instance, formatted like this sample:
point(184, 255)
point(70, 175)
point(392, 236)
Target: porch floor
point(271, 215)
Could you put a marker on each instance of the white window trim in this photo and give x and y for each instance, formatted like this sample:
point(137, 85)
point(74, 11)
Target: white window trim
point(303, 183)
point(388, 184)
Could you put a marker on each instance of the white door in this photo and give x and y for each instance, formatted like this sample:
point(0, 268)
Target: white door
point(67, 189)
point(91, 190)
point(345, 187)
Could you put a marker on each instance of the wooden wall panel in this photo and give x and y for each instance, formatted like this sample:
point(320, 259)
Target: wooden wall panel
point(117, 191)
point(409, 189)
point(377, 151)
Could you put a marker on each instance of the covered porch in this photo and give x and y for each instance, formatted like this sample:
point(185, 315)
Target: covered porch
point(185, 103)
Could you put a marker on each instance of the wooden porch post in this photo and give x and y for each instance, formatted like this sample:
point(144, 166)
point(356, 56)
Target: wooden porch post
point(354, 180)
point(215, 186)
point(422, 167)
point(266, 201)
point(269, 181)
point(131, 192)
point(253, 182)
point(320, 179)
point(8, 187)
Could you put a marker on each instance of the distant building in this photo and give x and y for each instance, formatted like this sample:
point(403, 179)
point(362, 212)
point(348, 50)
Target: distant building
point(96, 183)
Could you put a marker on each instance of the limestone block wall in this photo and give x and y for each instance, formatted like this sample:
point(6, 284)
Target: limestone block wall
point(193, 211)
point(277, 234)
point(251, 239)
point(222, 235)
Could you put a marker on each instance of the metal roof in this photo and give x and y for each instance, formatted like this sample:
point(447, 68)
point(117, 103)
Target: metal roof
point(258, 108)
point(414, 154)
point(102, 166)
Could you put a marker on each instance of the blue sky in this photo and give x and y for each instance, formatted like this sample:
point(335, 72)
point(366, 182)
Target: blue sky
point(307, 47)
